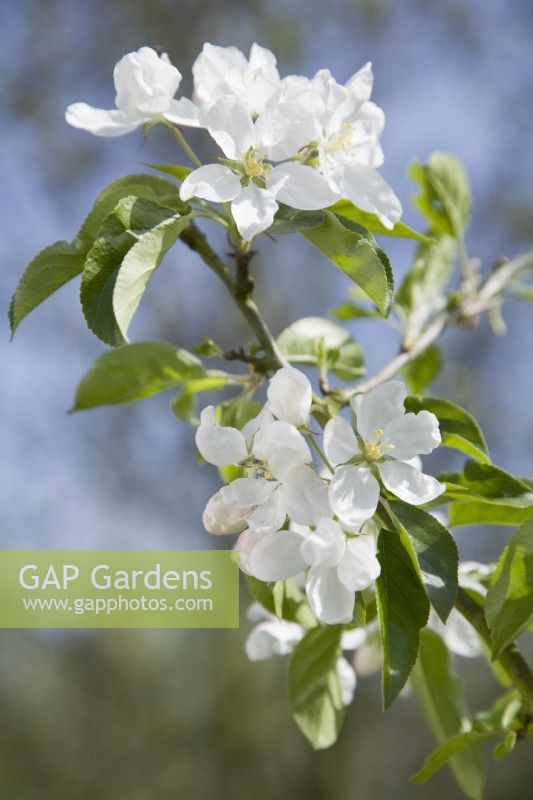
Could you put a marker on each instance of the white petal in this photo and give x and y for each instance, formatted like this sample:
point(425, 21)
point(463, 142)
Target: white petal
point(408, 483)
point(369, 657)
point(244, 546)
point(325, 546)
point(244, 492)
point(99, 121)
point(367, 190)
point(253, 211)
point(340, 442)
point(145, 82)
point(272, 638)
point(284, 129)
point(412, 434)
point(183, 112)
point(290, 396)
point(348, 680)
point(305, 496)
point(300, 187)
point(277, 556)
point(360, 567)
point(213, 182)
point(352, 639)
point(330, 601)
point(255, 426)
point(353, 495)
point(221, 518)
point(379, 407)
point(459, 635)
point(219, 444)
point(230, 124)
point(360, 84)
point(212, 68)
point(270, 515)
point(283, 447)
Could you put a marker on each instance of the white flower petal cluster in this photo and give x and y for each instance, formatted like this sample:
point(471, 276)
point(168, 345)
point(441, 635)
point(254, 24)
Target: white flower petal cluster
point(302, 142)
point(294, 519)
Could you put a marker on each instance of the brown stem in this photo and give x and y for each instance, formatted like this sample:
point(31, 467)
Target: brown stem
point(197, 241)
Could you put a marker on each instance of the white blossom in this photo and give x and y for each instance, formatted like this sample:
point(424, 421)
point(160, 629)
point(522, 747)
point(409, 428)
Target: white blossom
point(145, 85)
point(248, 181)
point(387, 440)
point(221, 71)
point(338, 566)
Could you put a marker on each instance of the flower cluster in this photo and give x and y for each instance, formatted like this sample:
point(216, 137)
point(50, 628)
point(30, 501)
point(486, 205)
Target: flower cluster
point(294, 518)
point(305, 142)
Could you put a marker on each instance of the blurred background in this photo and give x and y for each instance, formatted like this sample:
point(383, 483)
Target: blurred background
point(165, 714)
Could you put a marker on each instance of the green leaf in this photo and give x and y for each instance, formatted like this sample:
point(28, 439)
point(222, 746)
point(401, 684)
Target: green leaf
point(458, 428)
point(138, 266)
point(314, 686)
point(237, 411)
point(439, 691)
point(150, 187)
point(183, 405)
point(177, 171)
point(134, 372)
point(347, 210)
point(302, 341)
point(353, 311)
point(453, 746)
point(420, 373)
point(50, 269)
point(290, 220)
point(445, 198)
point(357, 257)
point(56, 265)
point(509, 603)
point(436, 552)
point(506, 747)
point(126, 226)
point(403, 609)
point(486, 494)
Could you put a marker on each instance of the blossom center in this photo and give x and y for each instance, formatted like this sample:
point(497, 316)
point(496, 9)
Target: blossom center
point(341, 142)
point(374, 449)
point(254, 166)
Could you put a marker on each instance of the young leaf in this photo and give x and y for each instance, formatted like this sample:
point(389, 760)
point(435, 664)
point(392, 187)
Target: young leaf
point(314, 686)
point(420, 373)
point(138, 266)
point(150, 187)
point(126, 226)
point(436, 551)
point(509, 603)
point(440, 693)
point(357, 257)
point(445, 199)
point(458, 428)
point(177, 171)
point(134, 372)
point(301, 343)
point(50, 269)
point(347, 210)
point(290, 220)
point(403, 609)
point(56, 265)
point(486, 494)
point(450, 748)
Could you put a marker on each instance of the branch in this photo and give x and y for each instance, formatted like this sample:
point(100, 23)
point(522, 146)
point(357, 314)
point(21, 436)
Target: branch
point(465, 313)
point(197, 241)
point(510, 658)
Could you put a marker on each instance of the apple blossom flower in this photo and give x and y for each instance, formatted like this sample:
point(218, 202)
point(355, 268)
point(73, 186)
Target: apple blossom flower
point(277, 637)
point(387, 442)
point(145, 84)
point(339, 127)
point(338, 565)
point(246, 179)
point(220, 71)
